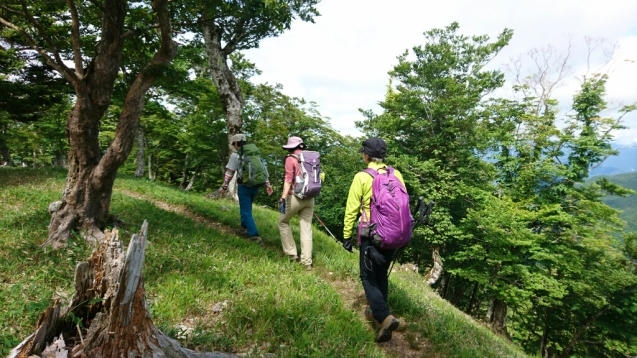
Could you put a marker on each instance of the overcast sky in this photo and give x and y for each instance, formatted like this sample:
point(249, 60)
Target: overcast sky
point(341, 61)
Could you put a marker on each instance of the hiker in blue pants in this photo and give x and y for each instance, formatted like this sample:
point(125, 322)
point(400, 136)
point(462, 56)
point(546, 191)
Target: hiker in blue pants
point(373, 274)
point(246, 192)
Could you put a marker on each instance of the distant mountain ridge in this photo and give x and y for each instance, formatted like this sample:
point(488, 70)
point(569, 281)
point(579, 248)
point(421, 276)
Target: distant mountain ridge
point(625, 162)
point(628, 205)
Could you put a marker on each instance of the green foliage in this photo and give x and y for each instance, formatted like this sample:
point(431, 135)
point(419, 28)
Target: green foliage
point(514, 221)
point(243, 24)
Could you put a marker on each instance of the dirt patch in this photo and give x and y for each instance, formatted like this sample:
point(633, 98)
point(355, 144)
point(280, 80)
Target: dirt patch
point(404, 343)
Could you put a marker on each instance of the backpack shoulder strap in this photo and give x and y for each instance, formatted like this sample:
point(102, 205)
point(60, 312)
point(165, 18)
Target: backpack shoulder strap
point(371, 172)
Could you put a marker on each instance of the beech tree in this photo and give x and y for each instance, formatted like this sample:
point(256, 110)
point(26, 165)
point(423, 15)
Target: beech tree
point(92, 35)
point(229, 26)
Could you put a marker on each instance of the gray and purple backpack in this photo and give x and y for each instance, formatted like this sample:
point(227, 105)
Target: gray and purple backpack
point(390, 220)
point(307, 183)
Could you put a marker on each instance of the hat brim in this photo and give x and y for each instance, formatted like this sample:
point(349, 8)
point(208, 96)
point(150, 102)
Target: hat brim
point(292, 146)
point(361, 150)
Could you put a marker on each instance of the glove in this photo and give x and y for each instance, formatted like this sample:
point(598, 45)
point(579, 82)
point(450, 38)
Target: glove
point(347, 244)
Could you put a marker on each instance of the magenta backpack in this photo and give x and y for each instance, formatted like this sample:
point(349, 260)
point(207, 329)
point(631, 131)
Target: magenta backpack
point(390, 219)
point(308, 183)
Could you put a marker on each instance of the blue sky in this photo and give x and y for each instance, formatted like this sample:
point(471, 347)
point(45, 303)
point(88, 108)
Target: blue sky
point(341, 61)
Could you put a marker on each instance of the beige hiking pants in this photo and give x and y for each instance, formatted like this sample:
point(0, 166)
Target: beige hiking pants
point(305, 209)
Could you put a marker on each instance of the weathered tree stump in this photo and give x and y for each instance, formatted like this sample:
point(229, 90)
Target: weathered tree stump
point(109, 300)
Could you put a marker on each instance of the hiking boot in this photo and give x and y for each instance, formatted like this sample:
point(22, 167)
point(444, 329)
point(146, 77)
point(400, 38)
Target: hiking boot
point(257, 239)
point(294, 259)
point(241, 232)
point(308, 267)
point(386, 328)
point(369, 316)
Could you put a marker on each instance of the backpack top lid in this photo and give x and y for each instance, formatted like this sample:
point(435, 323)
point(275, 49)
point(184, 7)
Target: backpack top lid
point(249, 150)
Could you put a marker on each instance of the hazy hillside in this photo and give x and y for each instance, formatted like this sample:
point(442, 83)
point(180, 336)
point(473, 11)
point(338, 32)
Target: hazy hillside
point(625, 162)
point(628, 204)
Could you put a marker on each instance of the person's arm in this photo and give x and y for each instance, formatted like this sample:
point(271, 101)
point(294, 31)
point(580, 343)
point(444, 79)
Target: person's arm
point(226, 178)
point(353, 206)
point(288, 178)
point(231, 167)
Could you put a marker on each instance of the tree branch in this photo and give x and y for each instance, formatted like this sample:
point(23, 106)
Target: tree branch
point(10, 10)
point(129, 119)
point(42, 32)
point(75, 34)
point(240, 33)
point(60, 67)
point(132, 32)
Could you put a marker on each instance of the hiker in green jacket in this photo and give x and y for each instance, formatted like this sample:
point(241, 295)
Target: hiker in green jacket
point(245, 190)
point(373, 275)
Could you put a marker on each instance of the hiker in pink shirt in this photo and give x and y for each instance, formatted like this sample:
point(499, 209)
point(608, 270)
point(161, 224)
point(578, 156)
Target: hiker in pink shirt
point(291, 205)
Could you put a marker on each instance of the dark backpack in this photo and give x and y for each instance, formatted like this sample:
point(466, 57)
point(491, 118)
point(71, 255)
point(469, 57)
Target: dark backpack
point(307, 183)
point(253, 170)
point(390, 221)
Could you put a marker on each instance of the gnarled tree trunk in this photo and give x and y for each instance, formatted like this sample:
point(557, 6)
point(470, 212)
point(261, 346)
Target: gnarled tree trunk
point(109, 298)
point(436, 270)
point(86, 199)
point(223, 78)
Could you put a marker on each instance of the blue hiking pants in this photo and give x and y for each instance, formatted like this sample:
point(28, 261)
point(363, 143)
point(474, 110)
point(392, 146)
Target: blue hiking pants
point(246, 197)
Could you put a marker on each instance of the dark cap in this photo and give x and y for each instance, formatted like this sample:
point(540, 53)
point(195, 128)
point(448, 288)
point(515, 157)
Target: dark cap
point(374, 147)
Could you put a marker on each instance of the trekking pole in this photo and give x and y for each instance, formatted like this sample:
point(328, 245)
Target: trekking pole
point(325, 226)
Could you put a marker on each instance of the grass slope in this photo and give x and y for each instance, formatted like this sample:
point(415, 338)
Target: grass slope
point(215, 291)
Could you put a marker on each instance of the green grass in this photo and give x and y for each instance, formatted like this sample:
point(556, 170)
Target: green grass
point(268, 304)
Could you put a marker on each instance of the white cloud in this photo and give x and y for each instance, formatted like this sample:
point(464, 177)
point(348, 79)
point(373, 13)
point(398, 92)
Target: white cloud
point(341, 61)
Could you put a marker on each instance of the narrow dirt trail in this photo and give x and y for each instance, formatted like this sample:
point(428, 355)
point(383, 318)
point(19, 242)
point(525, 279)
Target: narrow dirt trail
point(351, 291)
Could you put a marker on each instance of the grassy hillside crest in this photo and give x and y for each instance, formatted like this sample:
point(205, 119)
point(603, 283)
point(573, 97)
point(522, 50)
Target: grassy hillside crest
point(215, 291)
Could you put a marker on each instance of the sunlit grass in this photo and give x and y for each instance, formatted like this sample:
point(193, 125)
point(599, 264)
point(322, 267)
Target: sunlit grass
point(213, 290)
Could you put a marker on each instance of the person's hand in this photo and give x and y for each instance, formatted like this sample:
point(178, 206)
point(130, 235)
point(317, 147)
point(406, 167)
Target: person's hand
point(268, 190)
point(223, 190)
point(282, 205)
point(348, 244)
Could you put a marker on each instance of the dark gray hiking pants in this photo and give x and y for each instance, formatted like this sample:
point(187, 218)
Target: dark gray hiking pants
point(374, 279)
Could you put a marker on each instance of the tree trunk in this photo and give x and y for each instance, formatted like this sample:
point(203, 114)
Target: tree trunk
point(184, 173)
point(6, 153)
point(436, 270)
point(472, 299)
point(139, 171)
point(224, 80)
point(544, 351)
point(110, 301)
point(581, 331)
point(191, 183)
point(86, 198)
point(150, 167)
point(497, 316)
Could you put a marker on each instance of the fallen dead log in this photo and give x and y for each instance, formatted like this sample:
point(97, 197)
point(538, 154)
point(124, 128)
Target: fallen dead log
point(110, 303)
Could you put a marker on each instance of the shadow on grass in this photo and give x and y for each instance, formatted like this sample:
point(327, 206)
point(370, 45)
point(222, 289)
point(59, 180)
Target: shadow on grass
point(14, 176)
